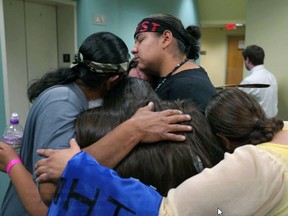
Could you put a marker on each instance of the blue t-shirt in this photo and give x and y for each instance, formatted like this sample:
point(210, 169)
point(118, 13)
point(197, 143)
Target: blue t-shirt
point(87, 188)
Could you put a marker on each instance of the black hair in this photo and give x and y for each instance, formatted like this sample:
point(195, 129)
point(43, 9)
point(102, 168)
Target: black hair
point(163, 165)
point(255, 54)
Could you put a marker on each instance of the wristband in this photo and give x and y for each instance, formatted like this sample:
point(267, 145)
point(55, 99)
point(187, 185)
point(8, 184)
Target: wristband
point(11, 164)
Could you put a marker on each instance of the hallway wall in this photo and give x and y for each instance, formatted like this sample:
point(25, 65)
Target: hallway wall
point(122, 16)
point(214, 43)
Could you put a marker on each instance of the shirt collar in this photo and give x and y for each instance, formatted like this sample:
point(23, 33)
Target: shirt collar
point(256, 68)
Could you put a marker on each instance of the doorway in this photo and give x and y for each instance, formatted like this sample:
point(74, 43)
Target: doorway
point(234, 69)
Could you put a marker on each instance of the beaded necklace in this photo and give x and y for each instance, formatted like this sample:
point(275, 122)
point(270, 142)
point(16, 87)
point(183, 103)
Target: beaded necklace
point(176, 67)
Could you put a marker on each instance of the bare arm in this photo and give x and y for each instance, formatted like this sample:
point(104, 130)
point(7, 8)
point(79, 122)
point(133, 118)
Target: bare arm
point(20, 176)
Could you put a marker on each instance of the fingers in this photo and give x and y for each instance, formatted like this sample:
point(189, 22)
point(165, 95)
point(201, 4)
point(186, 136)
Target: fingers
point(150, 106)
point(42, 178)
point(174, 137)
point(44, 172)
point(40, 163)
point(74, 145)
point(170, 112)
point(2, 145)
point(45, 152)
point(174, 119)
point(5, 146)
point(7, 153)
point(179, 128)
point(39, 170)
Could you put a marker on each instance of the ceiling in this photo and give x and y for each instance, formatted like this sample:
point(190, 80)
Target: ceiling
point(216, 13)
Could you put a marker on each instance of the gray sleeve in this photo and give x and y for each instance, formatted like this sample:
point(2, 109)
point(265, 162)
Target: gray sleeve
point(54, 127)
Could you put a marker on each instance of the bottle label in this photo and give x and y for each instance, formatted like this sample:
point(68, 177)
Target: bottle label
point(13, 141)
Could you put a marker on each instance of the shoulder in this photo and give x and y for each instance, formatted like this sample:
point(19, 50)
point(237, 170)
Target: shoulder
point(192, 75)
point(59, 91)
point(68, 93)
point(249, 176)
point(193, 79)
point(61, 97)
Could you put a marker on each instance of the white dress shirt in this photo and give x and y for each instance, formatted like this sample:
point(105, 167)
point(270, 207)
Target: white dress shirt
point(267, 97)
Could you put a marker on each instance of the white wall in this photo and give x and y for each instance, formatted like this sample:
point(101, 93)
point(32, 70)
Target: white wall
point(267, 23)
point(214, 42)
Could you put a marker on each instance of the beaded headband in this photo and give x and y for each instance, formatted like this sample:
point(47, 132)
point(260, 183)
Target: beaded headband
point(155, 25)
point(98, 67)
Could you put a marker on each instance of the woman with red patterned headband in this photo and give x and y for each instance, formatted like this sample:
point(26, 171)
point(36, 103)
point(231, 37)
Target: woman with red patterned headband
point(165, 49)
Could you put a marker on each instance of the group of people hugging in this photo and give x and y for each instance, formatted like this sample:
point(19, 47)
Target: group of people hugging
point(101, 141)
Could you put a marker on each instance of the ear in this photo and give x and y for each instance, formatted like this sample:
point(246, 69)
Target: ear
point(225, 142)
point(111, 81)
point(168, 38)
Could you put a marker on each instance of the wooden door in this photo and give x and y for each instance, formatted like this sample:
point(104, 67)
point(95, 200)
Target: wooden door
point(234, 69)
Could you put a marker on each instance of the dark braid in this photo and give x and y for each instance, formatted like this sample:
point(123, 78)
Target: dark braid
point(264, 130)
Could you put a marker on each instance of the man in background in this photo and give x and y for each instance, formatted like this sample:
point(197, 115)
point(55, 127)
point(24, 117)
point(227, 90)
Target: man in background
point(267, 97)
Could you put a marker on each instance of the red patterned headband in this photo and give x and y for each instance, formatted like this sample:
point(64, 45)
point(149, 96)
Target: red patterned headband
point(155, 25)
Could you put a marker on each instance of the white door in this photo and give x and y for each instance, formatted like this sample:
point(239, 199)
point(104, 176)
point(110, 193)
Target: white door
point(35, 42)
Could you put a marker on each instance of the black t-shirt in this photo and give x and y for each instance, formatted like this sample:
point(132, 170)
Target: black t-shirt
point(191, 84)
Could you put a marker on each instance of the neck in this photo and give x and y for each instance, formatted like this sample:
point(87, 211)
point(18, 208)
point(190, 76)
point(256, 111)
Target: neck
point(173, 66)
point(281, 137)
point(90, 93)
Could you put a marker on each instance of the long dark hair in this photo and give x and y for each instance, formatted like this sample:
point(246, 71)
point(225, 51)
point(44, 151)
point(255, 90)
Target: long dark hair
point(192, 34)
point(102, 47)
point(237, 116)
point(164, 164)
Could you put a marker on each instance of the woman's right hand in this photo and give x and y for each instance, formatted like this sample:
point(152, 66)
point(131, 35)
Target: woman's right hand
point(7, 154)
point(51, 167)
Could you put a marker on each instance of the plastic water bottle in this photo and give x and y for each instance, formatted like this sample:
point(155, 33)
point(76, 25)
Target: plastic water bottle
point(14, 132)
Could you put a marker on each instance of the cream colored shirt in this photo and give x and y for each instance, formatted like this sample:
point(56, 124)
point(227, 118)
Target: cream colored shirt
point(251, 181)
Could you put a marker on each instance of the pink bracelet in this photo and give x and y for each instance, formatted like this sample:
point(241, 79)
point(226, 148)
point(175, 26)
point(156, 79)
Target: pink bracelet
point(11, 164)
